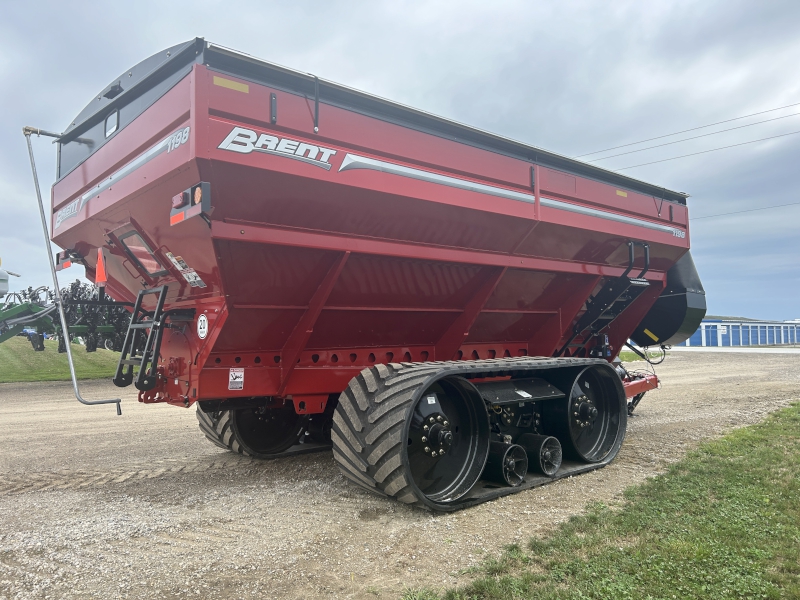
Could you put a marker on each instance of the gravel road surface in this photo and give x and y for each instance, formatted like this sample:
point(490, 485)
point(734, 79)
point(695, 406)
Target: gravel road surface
point(141, 506)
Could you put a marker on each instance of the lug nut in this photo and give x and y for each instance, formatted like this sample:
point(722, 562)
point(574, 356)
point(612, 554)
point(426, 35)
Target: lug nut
point(427, 449)
point(433, 453)
point(439, 418)
point(425, 427)
point(424, 439)
point(441, 451)
point(446, 423)
point(432, 419)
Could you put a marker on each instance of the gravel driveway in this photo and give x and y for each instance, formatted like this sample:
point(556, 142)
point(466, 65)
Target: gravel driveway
point(141, 506)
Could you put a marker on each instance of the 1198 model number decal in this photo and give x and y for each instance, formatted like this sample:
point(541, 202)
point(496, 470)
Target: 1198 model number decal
point(168, 144)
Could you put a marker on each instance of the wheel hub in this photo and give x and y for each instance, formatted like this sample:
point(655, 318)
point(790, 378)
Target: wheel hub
point(584, 411)
point(437, 435)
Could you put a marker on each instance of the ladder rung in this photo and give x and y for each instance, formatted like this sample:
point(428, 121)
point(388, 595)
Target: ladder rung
point(127, 361)
point(147, 325)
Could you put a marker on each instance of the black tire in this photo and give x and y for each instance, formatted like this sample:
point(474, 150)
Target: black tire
point(240, 430)
point(372, 436)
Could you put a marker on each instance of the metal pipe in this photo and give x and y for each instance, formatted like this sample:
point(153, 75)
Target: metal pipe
point(27, 131)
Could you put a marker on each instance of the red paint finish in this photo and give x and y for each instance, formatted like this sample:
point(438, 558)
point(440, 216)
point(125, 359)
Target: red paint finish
point(312, 274)
point(639, 386)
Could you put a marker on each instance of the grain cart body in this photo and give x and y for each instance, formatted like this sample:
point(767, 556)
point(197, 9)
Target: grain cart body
point(286, 238)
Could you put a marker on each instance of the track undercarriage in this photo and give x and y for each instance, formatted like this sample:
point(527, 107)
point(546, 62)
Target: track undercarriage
point(448, 435)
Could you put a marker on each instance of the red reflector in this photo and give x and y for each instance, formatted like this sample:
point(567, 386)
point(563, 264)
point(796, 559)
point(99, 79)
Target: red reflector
point(66, 264)
point(176, 218)
point(100, 275)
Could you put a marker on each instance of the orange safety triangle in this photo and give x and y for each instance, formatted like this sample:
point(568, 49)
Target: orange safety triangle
point(100, 275)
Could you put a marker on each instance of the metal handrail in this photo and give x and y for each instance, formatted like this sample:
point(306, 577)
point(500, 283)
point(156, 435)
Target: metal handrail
point(28, 131)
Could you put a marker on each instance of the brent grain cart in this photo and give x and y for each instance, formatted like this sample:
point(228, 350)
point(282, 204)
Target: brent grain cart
point(313, 266)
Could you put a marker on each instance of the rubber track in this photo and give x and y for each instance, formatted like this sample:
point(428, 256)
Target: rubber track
point(217, 427)
point(369, 419)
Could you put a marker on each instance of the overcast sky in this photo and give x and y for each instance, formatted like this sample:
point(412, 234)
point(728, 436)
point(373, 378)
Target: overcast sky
point(571, 77)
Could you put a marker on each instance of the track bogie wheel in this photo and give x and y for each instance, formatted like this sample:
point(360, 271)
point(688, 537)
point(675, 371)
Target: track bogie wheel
point(419, 439)
point(590, 422)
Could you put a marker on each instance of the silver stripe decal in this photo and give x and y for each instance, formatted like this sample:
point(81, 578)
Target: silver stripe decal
point(127, 169)
point(601, 214)
point(72, 209)
point(352, 161)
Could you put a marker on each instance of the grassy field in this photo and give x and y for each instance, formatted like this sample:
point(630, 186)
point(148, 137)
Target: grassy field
point(18, 362)
point(722, 523)
point(628, 356)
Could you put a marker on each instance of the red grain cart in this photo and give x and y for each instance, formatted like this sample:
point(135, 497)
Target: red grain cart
point(314, 267)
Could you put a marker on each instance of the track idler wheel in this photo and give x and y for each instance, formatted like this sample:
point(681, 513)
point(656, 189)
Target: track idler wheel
point(590, 423)
point(507, 464)
point(422, 443)
point(544, 452)
point(259, 432)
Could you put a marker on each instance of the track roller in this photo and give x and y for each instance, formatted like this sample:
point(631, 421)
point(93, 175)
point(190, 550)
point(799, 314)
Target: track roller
point(544, 452)
point(507, 464)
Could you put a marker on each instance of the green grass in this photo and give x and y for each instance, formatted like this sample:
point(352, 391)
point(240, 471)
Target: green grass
point(628, 356)
point(722, 523)
point(18, 362)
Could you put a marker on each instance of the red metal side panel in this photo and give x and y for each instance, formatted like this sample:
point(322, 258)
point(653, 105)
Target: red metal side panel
point(399, 246)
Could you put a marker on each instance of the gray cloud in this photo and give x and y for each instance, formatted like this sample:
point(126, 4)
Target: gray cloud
point(572, 77)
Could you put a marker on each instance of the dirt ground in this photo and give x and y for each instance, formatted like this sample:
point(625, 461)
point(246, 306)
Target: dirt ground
point(141, 506)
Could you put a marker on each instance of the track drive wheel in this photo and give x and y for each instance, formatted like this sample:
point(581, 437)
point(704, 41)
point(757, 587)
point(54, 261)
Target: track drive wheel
point(590, 422)
point(412, 437)
point(257, 432)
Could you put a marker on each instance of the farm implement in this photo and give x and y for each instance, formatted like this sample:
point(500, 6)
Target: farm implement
point(313, 267)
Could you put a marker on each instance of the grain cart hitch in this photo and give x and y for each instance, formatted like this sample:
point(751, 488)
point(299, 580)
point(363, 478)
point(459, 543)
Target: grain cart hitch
point(27, 131)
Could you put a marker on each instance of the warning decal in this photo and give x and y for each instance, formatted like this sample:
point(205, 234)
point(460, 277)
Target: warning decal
point(189, 274)
point(236, 379)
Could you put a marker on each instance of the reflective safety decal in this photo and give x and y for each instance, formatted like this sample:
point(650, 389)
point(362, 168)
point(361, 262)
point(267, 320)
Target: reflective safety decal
point(231, 85)
point(651, 335)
